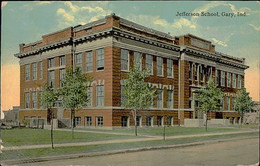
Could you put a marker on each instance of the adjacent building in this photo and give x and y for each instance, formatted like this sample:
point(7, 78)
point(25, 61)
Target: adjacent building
point(106, 49)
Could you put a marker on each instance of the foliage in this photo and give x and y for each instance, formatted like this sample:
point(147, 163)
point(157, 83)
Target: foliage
point(49, 96)
point(243, 102)
point(74, 92)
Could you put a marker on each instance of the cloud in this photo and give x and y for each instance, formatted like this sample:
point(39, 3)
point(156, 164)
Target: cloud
point(4, 3)
point(73, 8)
point(243, 9)
point(161, 22)
point(219, 42)
point(66, 15)
point(183, 22)
point(43, 3)
point(206, 7)
point(257, 28)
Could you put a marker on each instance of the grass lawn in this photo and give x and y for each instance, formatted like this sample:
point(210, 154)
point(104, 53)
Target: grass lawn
point(26, 136)
point(170, 131)
point(30, 153)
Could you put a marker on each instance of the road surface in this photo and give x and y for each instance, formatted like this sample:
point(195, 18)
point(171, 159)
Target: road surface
point(238, 152)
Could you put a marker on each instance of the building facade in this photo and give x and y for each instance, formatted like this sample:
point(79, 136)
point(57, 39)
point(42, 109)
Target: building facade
point(106, 49)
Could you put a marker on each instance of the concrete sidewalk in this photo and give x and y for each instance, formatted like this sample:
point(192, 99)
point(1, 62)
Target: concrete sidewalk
point(154, 138)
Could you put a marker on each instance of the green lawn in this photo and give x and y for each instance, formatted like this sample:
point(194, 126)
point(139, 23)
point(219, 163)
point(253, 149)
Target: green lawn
point(26, 136)
point(30, 153)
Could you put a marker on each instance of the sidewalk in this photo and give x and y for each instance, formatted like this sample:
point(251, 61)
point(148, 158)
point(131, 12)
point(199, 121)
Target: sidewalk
point(153, 138)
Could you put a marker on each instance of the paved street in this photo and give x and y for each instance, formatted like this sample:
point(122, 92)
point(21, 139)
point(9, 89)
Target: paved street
point(239, 152)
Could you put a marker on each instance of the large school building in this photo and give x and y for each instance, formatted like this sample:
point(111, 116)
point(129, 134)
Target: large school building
point(106, 49)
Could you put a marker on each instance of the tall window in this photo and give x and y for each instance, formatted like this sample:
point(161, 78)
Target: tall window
point(190, 71)
point(88, 121)
point(62, 60)
point(169, 68)
point(27, 72)
point(149, 63)
point(209, 72)
point(239, 82)
point(100, 95)
point(124, 60)
point(159, 98)
point(51, 78)
point(138, 59)
point(196, 72)
point(34, 65)
point(78, 121)
point(228, 103)
point(51, 62)
point(34, 99)
point(100, 121)
point(217, 77)
point(90, 92)
point(234, 80)
point(201, 74)
point(78, 60)
point(233, 103)
point(170, 120)
point(41, 69)
point(169, 98)
point(89, 61)
point(27, 99)
point(149, 121)
point(62, 76)
point(159, 66)
point(100, 59)
point(228, 79)
point(222, 78)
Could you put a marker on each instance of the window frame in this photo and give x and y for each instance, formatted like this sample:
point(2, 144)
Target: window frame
point(27, 72)
point(170, 61)
point(89, 60)
point(62, 76)
point(27, 100)
point(50, 79)
point(41, 70)
point(100, 57)
point(78, 60)
point(99, 121)
point(62, 60)
point(149, 65)
point(222, 78)
point(99, 96)
point(51, 62)
point(161, 101)
point(88, 121)
point(123, 61)
point(159, 66)
point(34, 99)
point(90, 91)
point(34, 71)
point(139, 55)
point(228, 79)
point(234, 80)
point(170, 101)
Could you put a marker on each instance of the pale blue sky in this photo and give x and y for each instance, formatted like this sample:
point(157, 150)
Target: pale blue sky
point(25, 22)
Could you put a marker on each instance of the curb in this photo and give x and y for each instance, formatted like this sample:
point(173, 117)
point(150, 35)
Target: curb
point(113, 152)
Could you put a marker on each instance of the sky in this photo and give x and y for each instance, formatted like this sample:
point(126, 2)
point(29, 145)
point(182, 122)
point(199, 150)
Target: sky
point(26, 22)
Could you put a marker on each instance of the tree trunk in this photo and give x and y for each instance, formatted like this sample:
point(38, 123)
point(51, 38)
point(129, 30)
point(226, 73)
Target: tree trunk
point(206, 121)
point(135, 122)
point(52, 130)
point(72, 123)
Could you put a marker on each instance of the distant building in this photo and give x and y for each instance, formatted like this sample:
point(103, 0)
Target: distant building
point(11, 117)
point(106, 49)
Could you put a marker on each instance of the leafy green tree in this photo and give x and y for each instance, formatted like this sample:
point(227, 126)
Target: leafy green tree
point(209, 99)
point(48, 98)
point(243, 103)
point(138, 94)
point(74, 92)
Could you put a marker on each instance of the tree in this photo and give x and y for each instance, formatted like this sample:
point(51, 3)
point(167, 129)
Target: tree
point(137, 93)
point(48, 98)
point(74, 92)
point(209, 99)
point(243, 103)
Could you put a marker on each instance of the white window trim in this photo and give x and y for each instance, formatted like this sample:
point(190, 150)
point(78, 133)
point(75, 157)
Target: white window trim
point(152, 63)
point(162, 75)
point(86, 62)
point(97, 60)
point(97, 96)
point(172, 75)
point(128, 60)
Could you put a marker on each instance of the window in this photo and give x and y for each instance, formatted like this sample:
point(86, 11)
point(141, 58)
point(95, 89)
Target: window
point(233, 103)
point(89, 61)
point(169, 98)
point(34, 65)
point(51, 62)
point(27, 99)
point(100, 121)
point(169, 68)
point(228, 103)
point(149, 121)
point(122, 95)
point(149, 63)
point(51, 78)
point(160, 120)
point(217, 77)
point(190, 71)
point(100, 59)
point(201, 74)
point(170, 120)
point(124, 120)
point(209, 72)
point(78, 60)
point(228, 79)
point(234, 80)
point(90, 92)
point(239, 82)
point(34, 99)
point(62, 61)
point(100, 95)
point(62, 76)
point(159, 66)
point(159, 98)
point(88, 121)
point(124, 60)
point(78, 121)
point(40, 69)
point(196, 72)
point(138, 59)
point(223, 103)
point(139, 121)
point(27, 72)
point(222, 78)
